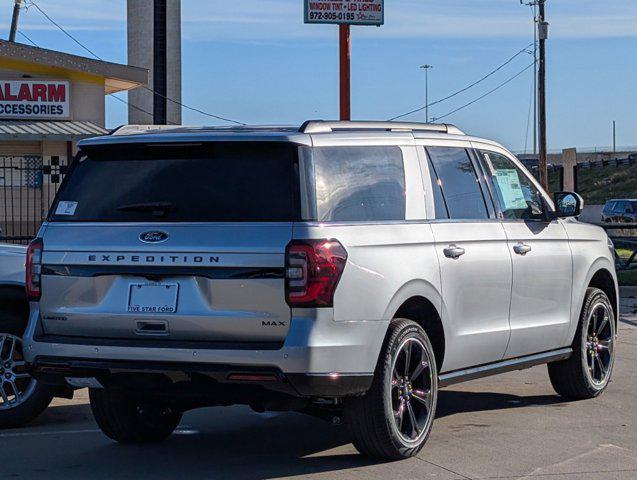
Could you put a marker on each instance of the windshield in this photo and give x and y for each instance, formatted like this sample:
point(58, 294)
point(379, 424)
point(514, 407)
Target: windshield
point(210, 182)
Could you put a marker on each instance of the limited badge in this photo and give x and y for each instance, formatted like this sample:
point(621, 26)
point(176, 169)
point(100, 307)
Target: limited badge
point(66, 208)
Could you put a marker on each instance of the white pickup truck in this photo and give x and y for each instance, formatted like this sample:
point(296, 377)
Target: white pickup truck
point(21, 397)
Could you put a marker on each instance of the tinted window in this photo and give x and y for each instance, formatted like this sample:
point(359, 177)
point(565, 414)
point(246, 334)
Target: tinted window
point(517, 195)
point(359, 183)
point(214, 182)
point(459, 183)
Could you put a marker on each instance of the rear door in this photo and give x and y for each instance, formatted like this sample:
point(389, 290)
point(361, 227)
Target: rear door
point(475, 265)
point(542, 260)
point(176, 243)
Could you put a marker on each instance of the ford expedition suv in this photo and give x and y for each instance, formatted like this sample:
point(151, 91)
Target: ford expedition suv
point(343, 269)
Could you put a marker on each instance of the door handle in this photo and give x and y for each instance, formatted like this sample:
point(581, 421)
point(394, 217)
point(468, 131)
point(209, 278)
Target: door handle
point(522, 248)
point(453, 251)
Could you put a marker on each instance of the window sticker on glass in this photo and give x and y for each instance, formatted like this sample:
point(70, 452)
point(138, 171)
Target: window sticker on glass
point(512, 194)
point(66, 208)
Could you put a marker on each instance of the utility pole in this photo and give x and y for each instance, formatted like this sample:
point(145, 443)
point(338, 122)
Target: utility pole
point(614, 138)
point(534, 79)
point(345, 52)
point(543, 30)
point(14, 21)
point(426, 68)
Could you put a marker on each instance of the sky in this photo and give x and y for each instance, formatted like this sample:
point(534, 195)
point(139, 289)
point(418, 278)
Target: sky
point(256, 62)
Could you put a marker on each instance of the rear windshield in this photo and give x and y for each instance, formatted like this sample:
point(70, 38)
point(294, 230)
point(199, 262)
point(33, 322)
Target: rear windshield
point(212, 182)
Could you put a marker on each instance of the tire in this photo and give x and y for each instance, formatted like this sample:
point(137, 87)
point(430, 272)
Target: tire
point(373, 420)
point(126, 420)
point(575, 378)
point(33, 398)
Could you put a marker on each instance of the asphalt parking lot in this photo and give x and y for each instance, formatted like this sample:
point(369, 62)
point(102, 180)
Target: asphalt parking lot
point(506, 427)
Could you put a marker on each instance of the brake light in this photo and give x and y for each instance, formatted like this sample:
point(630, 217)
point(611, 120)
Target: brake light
point(34, 269)
point(314, 268)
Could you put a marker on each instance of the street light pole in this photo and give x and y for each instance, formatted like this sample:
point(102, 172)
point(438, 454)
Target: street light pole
point(426, 68)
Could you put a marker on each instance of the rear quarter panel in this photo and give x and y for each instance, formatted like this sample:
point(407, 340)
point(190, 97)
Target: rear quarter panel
point(386, 265)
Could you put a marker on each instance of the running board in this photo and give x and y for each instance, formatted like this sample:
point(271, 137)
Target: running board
point(504, 366)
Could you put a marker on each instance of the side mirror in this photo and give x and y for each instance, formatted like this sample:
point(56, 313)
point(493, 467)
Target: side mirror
point(568, 204)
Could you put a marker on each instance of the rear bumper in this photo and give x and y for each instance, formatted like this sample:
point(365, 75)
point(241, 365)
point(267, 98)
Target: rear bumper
point(222, 381)
point(319, 358)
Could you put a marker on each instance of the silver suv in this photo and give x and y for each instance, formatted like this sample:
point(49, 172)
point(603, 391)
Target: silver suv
point(346, 270)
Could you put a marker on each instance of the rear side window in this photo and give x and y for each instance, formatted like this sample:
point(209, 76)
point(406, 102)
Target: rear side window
point(211, 182)
point(457, 179)
point(359, 184)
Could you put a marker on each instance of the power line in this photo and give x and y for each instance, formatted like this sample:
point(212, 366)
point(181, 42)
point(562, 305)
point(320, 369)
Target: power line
point(465, 88)
point(111, 95)
point(25, 36)
point(30, 2)
point(218, 117)
point(485, 95)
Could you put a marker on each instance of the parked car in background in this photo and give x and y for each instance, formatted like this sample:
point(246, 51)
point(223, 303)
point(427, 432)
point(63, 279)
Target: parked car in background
point(21, 397)
point(632, 156)
point(620, 211)
point(339, 268)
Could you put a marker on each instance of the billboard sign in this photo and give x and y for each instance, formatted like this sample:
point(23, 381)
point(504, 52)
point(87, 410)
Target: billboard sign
point(34, 100)
point(351, 12)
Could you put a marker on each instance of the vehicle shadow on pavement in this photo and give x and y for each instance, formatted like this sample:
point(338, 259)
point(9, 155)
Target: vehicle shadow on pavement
point(451, 402)
point(218, 442)
point(237, 443)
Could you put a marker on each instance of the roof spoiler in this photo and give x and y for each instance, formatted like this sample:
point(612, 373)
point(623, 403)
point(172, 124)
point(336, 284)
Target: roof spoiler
point(138, 129)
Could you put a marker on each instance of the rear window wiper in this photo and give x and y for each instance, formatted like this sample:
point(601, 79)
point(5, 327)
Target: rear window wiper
point(158, 209)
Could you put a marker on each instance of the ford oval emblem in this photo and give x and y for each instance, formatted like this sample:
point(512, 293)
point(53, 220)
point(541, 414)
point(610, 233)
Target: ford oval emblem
point(154, 236)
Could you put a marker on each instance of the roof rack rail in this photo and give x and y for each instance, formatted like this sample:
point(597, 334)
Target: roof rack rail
point(322, 126)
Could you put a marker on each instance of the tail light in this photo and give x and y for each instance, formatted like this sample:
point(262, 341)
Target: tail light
point(34, 269)
point(314, 268)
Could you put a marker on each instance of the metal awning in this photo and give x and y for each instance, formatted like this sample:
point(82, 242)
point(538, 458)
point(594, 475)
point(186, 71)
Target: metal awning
point(23, 130)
